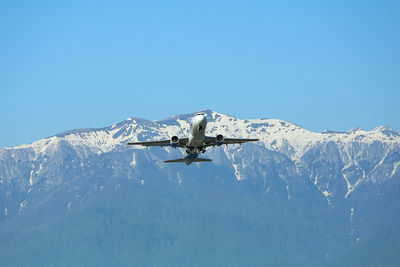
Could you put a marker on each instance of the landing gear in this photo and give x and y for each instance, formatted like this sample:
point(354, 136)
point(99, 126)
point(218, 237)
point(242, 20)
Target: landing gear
point(189, 150)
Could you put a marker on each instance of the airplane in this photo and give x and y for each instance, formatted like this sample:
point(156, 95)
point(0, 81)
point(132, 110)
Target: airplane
point(195, 143)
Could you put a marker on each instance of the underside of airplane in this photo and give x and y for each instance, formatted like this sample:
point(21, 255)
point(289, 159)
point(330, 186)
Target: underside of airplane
point(196, 142)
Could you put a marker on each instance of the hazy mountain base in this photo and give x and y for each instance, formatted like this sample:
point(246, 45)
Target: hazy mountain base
point(205, 221)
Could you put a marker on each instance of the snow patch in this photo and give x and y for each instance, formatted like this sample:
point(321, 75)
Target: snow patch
point(31, 178)
point(237, 173)
point(22, 205)
point(349, 187)
point(133, 161)
point(351, 221)
point(287, 190)
point(326, 193)
point(396, 165)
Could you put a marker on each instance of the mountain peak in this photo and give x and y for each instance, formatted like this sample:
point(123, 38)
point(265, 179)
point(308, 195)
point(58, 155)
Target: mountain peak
point(386, 130)
point(383, 128)
point(355, 129)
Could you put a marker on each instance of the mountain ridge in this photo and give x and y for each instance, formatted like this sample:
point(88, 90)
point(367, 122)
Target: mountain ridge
point(335, 193)
point(276, 135)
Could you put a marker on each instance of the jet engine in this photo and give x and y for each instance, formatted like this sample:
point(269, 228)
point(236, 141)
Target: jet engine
point(220, 140)
point(174, 141)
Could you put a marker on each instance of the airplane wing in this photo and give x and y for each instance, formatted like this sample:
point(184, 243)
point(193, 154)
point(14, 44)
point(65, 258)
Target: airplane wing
point(212, 141)
point(181, 143)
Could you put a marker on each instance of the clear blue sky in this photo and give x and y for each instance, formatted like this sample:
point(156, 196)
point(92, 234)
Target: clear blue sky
point(76, 64)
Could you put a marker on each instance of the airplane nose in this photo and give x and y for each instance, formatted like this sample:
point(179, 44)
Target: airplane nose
point(203, 118)
point(200, 119)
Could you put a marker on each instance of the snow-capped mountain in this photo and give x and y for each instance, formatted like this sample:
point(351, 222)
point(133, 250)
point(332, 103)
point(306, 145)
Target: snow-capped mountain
point(336, 163)
point(346, 180)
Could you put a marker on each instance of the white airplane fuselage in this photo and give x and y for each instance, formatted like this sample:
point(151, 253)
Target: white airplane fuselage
point(196, 138)
point(195, 143)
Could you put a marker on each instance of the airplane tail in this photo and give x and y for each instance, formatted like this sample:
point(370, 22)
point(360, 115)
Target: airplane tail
point(183, 160)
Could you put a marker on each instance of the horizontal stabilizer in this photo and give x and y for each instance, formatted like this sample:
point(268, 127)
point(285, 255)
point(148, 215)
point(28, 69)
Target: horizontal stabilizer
point(183, 160)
